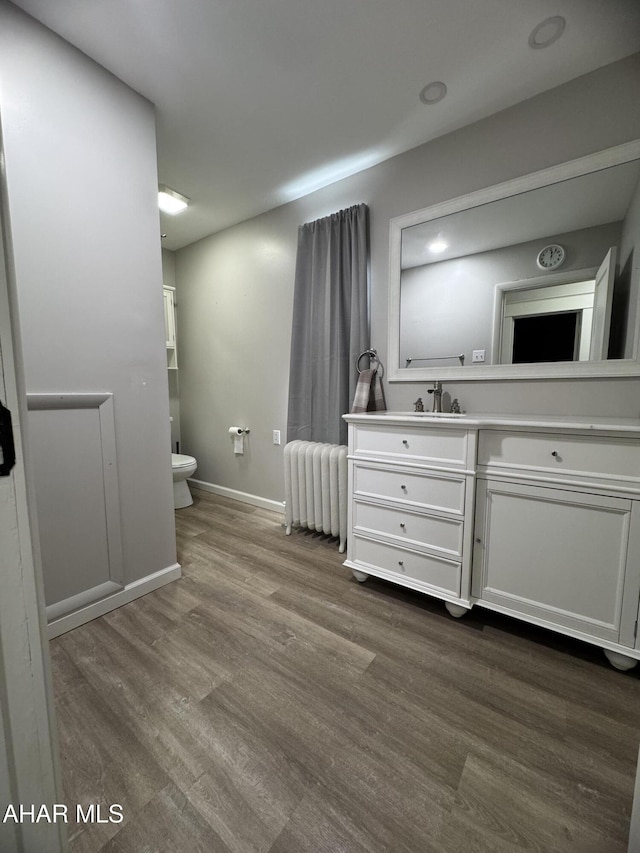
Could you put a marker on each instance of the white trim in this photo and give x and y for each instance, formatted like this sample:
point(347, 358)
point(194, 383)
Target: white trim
point(105, 605)
point(225, 492)
point(82, 599)
point(28, 742)
point(617, 155)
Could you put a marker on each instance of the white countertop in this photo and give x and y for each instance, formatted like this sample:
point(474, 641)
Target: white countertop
point(572, 423)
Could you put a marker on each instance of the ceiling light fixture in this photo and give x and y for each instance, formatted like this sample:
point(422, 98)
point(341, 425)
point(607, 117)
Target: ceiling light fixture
point(433, 92)
point(437, 246)
point(547, 32)
point(171, 202)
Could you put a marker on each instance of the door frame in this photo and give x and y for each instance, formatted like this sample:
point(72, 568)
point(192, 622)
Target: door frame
point(500, 329)
point(29, 762)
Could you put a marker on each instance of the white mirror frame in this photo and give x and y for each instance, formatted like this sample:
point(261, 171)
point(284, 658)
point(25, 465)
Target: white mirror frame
point(625, 153)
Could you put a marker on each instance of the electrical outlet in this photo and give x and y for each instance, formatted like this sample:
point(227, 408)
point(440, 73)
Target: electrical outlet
point(478, 355)
point(276, 436)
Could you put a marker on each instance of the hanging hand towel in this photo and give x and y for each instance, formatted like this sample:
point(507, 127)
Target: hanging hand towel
point(369, 396)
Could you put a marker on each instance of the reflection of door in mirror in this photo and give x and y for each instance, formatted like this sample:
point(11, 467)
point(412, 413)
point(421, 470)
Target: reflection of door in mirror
point(602, 302)
point(543, 322)
point(549, 321)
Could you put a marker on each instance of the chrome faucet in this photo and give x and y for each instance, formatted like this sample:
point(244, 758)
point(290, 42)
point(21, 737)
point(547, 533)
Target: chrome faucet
point(437, 396)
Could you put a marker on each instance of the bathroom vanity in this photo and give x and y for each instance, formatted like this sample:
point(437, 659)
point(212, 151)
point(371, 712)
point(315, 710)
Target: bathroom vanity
point(534, 517)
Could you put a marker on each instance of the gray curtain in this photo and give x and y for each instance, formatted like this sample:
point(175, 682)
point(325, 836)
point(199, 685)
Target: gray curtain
point(330, 323)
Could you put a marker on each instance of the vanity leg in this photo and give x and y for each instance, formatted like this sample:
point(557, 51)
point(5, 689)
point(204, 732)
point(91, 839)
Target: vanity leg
point(618, 661)
point(359, 576)
point(455, 610)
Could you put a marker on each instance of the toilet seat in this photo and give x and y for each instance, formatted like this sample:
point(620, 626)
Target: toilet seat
point(179, 460)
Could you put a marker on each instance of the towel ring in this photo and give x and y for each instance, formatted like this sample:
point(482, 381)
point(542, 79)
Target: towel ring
point(372, 354)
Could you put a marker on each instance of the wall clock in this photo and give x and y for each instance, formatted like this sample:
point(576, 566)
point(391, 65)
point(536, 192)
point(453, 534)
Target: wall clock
point(551, 257)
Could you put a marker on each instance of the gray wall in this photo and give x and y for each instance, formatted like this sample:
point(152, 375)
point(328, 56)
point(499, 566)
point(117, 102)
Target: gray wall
point(236, 287)
point(431, 320)
point(82, 184)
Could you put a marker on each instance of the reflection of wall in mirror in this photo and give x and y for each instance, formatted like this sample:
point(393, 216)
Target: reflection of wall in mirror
point(447, 307)
point(625, 313)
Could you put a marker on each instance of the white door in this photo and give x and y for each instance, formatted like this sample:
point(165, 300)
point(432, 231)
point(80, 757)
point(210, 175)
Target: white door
point(28, 766)
point(602, 300)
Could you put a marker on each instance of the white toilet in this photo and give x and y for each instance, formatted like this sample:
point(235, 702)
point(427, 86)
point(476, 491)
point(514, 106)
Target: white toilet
point(182, 468)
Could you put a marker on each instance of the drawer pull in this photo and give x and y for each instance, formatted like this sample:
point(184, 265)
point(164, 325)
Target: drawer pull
point(402, 525)
point(401, 564)
point(403, 487)
point(405, 442)
point(554, 452)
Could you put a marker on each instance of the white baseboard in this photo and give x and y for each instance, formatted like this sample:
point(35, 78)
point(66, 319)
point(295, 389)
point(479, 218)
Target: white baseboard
point(111, 602)
point(254, 500)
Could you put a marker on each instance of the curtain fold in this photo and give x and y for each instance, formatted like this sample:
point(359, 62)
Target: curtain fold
point(330, 323)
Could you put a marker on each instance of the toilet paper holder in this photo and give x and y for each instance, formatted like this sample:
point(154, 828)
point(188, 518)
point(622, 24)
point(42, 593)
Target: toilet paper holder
point(236, 430)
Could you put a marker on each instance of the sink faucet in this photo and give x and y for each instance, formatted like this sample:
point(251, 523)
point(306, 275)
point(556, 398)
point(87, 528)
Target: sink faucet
point(437, 396)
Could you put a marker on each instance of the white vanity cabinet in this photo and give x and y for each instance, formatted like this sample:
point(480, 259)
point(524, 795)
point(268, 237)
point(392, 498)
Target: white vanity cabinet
point(411, 493)
point(538, 519)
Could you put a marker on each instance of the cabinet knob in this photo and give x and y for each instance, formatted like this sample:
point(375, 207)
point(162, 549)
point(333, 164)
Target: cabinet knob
point(403, 487)
point(478, 540)
point(401, 563)
point(405, 442)
point(554, 452)
point(402, 525)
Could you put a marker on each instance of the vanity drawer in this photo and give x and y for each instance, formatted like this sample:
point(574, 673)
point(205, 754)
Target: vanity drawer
point(410, 528)
point(437, 445)
point(402, 565)
point(563, 454)
point(427, 491)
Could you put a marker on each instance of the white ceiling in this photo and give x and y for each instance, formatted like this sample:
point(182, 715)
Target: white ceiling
point(262, 101)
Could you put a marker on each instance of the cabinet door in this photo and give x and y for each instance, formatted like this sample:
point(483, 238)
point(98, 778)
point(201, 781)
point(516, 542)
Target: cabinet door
point(552, 555)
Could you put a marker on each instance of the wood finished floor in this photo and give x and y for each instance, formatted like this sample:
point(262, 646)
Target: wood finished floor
point(268, 703)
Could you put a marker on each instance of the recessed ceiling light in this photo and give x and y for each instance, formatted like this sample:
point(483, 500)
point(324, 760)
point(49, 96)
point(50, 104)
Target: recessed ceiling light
point(547, 32)
point(437, 246)
point(171, 202)
point(433, 92)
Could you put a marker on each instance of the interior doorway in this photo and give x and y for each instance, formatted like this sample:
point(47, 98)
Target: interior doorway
point(546, 337)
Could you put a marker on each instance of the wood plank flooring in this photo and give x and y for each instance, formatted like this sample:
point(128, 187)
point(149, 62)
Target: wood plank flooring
point(268, 703)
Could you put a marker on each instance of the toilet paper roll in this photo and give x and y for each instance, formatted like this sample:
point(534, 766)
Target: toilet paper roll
point(238, 439)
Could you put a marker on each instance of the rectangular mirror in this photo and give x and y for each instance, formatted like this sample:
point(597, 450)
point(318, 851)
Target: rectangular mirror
point(537, 277)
